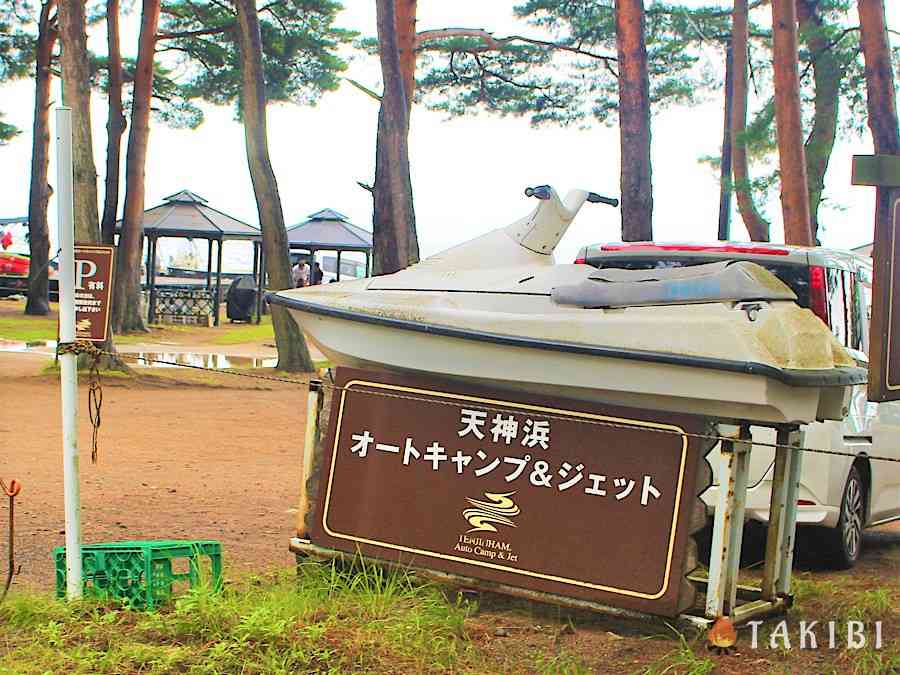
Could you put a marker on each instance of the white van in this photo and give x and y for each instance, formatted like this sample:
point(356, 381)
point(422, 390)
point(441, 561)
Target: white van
point(842, 495)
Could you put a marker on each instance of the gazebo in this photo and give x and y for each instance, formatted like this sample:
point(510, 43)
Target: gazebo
point(186, 215)
point(328, 230)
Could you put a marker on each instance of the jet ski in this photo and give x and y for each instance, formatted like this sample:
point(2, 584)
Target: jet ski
point(726, 340)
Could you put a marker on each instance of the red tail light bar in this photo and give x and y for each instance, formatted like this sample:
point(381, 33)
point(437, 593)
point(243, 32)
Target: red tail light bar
point(712, 248)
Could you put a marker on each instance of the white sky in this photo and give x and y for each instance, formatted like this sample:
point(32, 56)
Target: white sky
point(468, 173)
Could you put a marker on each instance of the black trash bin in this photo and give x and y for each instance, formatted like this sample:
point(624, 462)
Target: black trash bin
point(241, 299)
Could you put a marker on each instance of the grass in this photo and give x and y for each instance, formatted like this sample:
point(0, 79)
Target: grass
point(246, 332)
point(28, 328)
point(328, 618)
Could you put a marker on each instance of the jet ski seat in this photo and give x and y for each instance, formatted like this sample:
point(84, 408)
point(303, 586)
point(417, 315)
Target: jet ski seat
point(734, 281)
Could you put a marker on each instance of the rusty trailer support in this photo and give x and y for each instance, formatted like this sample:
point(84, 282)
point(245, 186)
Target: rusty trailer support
point(777, 507)
point(789, 529)
point(728, 523)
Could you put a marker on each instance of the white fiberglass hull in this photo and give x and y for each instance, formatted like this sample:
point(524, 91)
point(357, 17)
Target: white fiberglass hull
point(648, 384)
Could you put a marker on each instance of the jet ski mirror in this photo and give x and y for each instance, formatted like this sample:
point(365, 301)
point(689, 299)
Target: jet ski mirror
point(594, 198)
point(542, 192)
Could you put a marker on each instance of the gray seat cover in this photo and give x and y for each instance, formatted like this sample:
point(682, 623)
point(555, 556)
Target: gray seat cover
point(733, 281)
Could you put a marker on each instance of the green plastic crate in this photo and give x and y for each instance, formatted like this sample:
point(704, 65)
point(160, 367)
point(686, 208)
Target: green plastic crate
point(141, 573)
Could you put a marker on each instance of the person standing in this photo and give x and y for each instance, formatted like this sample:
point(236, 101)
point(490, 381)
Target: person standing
point(317, 274)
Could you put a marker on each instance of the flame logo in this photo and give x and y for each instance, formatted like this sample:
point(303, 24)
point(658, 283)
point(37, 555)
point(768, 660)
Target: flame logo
point(498, 509)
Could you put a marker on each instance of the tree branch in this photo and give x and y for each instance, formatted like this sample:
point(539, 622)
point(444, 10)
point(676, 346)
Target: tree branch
point(425, 37)
point(195, 33)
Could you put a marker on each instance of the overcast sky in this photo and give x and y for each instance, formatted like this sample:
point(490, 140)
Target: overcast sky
point(468, 173)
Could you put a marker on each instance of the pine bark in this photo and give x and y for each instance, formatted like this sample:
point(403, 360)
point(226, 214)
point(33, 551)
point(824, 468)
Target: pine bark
point(757, 226)
point(293, 354)
point(725, 183)
point(880, 93)
point(394, 224)
point(406, 46)
point(77, 94)
point(791, 155)
point(115, 124)
point(127, 315)
point(828, 73)
point(38, 301)
point(634, 122)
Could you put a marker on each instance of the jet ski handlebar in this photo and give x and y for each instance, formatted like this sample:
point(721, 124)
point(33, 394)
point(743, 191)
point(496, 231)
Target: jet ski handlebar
point(545, 192)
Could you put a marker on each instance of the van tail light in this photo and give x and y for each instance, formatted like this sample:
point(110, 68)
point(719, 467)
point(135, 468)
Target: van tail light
point(580, 261)
point(805, 502)
point(818, 303)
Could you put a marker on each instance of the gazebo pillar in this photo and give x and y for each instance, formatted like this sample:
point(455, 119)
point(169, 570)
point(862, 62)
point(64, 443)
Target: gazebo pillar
point(368, 264)
point(218, 296)
point(151, 314)
point(261, 284)
point(338, 265)
point(147, 263)
point(209, 264)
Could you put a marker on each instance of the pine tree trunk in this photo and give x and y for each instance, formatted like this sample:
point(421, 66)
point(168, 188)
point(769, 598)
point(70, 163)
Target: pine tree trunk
point(791, 155)
point(757, 226)
point(39, 193)
point(293, 354)
point(725, 189)
point(406, 45)
point(77, 93)
point(127, 315)
point(115, 124)
point(827, 76)
point(634, 122)
point(394, 224)
point(880, 93)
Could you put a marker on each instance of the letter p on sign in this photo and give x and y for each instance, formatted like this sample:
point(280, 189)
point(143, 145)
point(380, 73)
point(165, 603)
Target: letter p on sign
point(84, 269)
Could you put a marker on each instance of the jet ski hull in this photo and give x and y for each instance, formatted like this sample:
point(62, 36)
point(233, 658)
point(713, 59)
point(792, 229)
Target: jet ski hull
point(712, 387)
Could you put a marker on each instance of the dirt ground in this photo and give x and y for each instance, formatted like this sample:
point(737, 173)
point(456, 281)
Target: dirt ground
point(177, 461)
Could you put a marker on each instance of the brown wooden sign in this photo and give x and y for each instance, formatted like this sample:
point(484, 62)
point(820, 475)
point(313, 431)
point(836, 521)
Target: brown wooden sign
point(556, 496)
point(883, 171)
point(93, 291)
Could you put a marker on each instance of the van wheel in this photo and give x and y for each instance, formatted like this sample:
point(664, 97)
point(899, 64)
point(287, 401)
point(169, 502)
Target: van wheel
point(845, 541)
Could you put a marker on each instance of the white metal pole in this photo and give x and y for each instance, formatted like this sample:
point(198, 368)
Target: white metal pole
point(68, 363)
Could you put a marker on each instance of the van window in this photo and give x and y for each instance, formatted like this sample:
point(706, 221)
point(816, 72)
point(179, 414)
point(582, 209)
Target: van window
point(857, 327)
point(837, 305)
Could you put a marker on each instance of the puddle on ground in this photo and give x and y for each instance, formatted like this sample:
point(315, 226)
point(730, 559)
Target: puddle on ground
point(175, 359)
point(172, 359)
point(33, 346)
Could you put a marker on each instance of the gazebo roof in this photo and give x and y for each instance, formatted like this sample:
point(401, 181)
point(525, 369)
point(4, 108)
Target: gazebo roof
point(13, 221)
point(186, 214)
point(330, 230)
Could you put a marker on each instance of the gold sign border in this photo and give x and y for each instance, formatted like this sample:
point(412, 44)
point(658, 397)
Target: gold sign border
point(476, 399)
point(111, 251)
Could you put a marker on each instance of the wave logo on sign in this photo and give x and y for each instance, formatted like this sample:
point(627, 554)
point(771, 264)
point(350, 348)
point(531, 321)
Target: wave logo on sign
point(499, 509)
